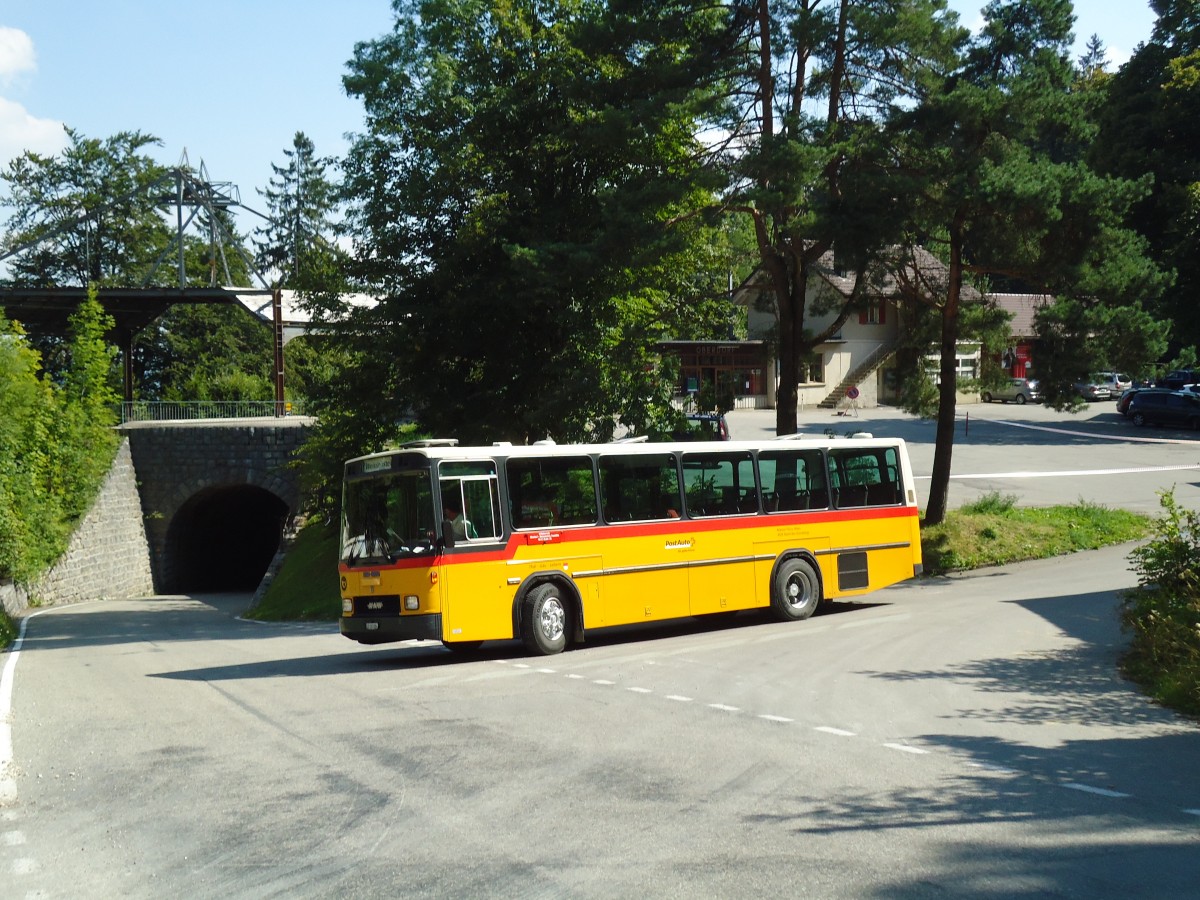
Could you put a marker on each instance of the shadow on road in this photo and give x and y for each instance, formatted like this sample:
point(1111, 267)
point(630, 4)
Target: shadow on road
point(347, 659)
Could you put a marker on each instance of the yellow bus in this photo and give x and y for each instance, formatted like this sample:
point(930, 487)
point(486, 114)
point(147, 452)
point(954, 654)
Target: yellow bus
point(547, 543)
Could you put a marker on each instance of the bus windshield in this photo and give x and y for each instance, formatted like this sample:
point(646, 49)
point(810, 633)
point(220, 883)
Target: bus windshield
point(388, 517)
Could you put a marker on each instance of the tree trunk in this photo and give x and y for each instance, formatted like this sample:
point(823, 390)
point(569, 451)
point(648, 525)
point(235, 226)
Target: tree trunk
point(790, 282)
point(939, 482)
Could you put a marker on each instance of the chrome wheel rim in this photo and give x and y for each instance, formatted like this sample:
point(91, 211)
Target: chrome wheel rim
point(796, 591)
point(552, 619)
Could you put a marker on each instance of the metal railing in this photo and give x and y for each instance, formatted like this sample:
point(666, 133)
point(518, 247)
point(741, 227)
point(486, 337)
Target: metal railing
point(171, 410)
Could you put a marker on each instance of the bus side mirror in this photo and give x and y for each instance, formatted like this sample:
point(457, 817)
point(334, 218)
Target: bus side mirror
point(447, 533)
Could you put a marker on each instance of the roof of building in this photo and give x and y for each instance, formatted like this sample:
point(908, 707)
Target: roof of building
point(918, 270)
point(1022, 307)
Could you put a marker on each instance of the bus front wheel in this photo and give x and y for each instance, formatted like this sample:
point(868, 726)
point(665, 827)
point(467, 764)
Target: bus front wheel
point(796, 591)
point(544, 620)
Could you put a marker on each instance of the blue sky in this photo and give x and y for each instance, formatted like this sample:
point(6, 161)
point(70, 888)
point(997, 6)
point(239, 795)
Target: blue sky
point(231, 81)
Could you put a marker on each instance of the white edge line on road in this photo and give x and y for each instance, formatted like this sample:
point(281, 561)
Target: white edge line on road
point(1123, 438)
point(1069, 473)
point(770, 718)
point(840, 732)
point(8, 786)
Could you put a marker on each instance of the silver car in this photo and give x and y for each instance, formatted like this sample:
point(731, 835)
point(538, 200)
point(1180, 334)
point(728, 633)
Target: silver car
point(1093, 390)
point(1018, 390)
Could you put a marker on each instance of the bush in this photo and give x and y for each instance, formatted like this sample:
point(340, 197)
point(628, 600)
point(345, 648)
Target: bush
point(56, 441)
point(1162, 615)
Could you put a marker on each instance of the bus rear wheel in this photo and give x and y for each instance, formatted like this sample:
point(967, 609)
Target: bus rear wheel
point(544, 620)
point(796, 591)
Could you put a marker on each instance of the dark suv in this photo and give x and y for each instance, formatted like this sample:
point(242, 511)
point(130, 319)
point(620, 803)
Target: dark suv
point(704, 427)
point(1178, 408)
point(1176, 379)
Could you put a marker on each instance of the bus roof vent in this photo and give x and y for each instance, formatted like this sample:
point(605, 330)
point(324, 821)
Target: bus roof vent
point(862, 434)
point(501, 443)
point(544, 442)
point(431, 442)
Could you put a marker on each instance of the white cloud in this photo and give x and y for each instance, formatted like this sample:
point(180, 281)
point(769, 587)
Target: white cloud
point(16, 54)
point(19, 131)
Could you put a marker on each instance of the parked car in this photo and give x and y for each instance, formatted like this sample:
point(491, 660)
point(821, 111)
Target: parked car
point(1127, 396)
point(1018, 390)
point(704, 427)
point(1093, 390)
point(1178, 408)
point(1177, 378)
point(1114, 381)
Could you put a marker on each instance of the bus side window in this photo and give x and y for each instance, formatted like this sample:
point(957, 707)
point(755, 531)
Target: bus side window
point(641, 488)
point(866, 477)
point(796, 480)
point(552, 491)
point(719, 484)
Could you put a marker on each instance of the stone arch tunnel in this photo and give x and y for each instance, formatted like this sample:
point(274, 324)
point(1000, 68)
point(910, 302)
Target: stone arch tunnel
point(216, 496)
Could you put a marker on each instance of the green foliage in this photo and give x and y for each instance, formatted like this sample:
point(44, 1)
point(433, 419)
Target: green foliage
point(205, 352)
point(522, 200)
point(1150, 127)
point(1163, 614)
point(8, 629)
point(993, 531)
point(813, 167)
point(297, 246)
point(56, 443)
point(86, 210)
point(306, 587)
point(1076, 337)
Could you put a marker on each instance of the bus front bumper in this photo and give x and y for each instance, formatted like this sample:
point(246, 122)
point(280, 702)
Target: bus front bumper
point(385, 629)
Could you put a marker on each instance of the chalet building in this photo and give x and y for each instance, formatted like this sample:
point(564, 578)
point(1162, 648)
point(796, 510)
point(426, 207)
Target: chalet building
point(1017, 359)
point(852, 367)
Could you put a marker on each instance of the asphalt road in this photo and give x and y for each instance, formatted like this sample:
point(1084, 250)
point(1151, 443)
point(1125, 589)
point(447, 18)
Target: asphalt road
point(965, 737)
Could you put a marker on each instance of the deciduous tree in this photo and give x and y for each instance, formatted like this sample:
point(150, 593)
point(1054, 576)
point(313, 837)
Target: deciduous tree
point(524, 200)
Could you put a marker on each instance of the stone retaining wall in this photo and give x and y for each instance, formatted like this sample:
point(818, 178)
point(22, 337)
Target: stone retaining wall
point(108, 556)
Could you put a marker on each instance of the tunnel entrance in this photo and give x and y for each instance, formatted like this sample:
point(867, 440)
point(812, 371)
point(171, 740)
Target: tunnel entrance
point(223, 539)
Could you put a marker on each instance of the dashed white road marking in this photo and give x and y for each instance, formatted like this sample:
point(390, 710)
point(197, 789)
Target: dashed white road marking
point(12, 838)
point(906, 748)
point(989, 767)
point(1098, 791)
point(24, 866)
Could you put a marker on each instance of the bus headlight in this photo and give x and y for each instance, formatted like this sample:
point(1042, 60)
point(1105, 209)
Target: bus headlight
point(412, 601)
point(347, 605)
